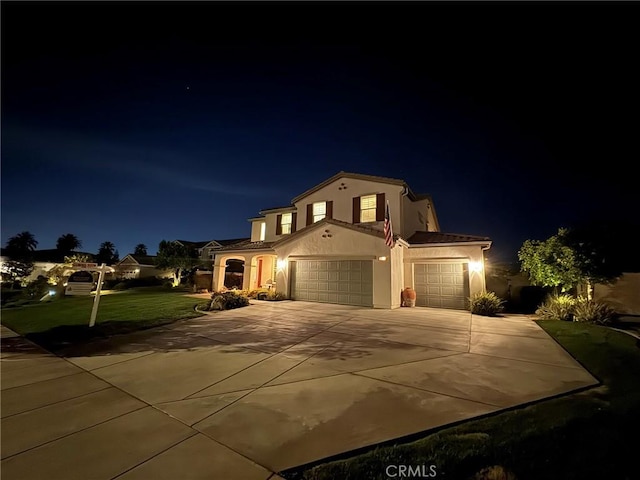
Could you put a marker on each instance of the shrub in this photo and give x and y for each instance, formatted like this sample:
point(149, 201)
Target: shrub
point(227, 301)
point(36, 289)
point(496, 472)
point(168, 284)
point(275, 296)
point(591, 311)
point(486, 303)
point(557, 307)
point(121, 286)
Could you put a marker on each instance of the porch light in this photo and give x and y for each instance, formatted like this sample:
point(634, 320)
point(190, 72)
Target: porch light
point(382, 259)
point(475, 267)
point(281, 264)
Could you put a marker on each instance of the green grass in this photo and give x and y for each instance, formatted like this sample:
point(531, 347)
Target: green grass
point(591, 434)
point(66, 320)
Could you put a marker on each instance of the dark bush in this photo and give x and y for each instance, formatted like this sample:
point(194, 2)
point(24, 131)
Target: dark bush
point(486, 303)
point(36, 289)
point(120, 286)
point(530, 298)
point(9, 295)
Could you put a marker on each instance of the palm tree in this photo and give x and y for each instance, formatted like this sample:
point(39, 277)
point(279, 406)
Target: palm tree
point(141, 249)
point(67, 243)
point(22, 244)
point(107, 253)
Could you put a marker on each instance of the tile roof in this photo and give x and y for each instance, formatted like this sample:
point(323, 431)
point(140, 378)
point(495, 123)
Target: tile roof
point(231, 241)
point(245, 244)
point(331, 221)
point(420, 238)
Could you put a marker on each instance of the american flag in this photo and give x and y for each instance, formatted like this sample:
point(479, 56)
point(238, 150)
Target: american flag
point(388, 229)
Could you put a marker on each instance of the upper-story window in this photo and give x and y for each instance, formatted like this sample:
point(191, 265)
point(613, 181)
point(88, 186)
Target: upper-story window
point(368, 208)
point(319, 211)
point(263, 231)
point(285, 223)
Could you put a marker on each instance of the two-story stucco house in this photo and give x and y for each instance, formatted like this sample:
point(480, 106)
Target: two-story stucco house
point(329, 246)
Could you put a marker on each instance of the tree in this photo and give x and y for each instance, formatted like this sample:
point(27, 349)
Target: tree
point(68, 243)
point(141, 249)
point(20, 250)
point(177, 257)
point(107, 254)
point(22, 245)
point(57, 273)
point(567, 259)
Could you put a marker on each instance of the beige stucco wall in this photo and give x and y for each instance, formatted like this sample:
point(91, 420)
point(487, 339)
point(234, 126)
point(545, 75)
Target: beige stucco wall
point(255, 229)
point(461, 253)
point(415, 217)
point(270, 234)
point(343, 199)
point(623, 295)
point(344, 243)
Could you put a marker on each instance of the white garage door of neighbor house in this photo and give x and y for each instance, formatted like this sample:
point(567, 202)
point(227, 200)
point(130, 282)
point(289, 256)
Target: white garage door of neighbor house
point(346, 282)
point(441, 285)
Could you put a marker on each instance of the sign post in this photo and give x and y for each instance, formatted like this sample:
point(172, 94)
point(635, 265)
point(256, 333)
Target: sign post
point(96, 299)
point(85, 268)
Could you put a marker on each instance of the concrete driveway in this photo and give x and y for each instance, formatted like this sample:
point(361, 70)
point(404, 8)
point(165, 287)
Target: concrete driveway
point(249, 392)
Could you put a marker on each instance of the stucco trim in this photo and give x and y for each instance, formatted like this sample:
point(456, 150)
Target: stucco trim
point(323, 223)
point(293, 258)
point(450, 244)
point(291, 208)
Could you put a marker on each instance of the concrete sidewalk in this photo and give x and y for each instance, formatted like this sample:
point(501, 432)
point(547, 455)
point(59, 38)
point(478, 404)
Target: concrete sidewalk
point(245, 393)
point(62, 422)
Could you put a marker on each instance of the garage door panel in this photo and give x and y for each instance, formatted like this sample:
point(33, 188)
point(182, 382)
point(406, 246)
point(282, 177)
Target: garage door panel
point(441, 285)
point(347, 282)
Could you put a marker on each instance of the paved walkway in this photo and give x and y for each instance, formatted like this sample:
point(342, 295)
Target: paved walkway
point(249, 392)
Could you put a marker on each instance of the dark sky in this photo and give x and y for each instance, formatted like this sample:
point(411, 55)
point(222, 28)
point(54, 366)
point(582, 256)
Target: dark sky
point(135, 123)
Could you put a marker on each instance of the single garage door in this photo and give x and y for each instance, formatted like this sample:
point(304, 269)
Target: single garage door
point(441, 285)
point(346, 282)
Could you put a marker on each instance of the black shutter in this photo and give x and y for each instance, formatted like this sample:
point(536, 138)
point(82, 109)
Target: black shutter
point(329, 209)
point(294, 221)
point(279, 225)
point(309, 214)
point(380, 207)
point(356, 209)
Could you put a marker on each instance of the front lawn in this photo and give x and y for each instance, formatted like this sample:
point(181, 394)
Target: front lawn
point(66, 319)
point(591, 434)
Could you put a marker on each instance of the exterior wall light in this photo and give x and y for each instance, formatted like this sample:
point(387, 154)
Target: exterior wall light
point(382, 259)
point(281, 264)
point(475, 267)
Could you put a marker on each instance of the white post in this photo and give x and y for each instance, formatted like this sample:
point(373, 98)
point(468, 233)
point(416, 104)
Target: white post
point(96, 300)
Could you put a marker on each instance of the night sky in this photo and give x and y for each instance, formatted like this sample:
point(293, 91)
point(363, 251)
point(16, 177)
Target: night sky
point(134, 123)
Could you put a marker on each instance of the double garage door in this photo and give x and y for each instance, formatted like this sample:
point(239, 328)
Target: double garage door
point(441, 285)
point(346, 282)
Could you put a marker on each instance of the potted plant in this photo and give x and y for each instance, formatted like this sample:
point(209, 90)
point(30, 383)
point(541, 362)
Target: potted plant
point(409, 297)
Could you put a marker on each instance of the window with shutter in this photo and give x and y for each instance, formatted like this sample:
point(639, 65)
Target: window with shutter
point(319, 211)
point(368, 208)
point(285, 223)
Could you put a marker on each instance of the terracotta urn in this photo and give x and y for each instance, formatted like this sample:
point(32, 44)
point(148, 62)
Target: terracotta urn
point(409, 297)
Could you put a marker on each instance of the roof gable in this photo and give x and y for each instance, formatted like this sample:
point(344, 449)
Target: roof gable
point(330, 221)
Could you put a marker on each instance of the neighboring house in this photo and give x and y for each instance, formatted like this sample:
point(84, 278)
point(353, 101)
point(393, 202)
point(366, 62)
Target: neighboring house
point(206, 250)
point(329, 246)
point(43, 261)
point(139, 266)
